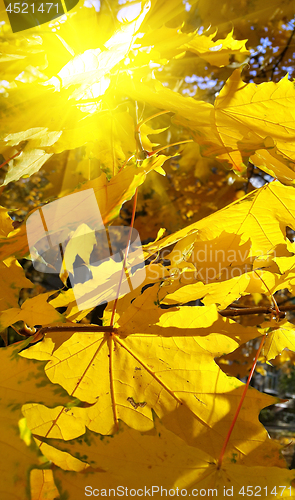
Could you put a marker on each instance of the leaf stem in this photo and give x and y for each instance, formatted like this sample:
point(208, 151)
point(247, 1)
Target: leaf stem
point(168, 146)
point(112, 385)
point(271, 296)
point(77, 328)
point(14, 156)
point(125, 259)
point(219, 463)
point(225, 313)
point(125, 163)
point(150, 118)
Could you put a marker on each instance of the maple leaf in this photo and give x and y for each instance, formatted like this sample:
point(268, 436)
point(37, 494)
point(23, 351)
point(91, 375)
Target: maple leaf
point(12, 275)
point(226, 292)
point(42, 485)
point(21, 380)
point(158, 364)
point(237, 11)
point(191, 158)
point(6, 225)
point(272, 163)
point(148, 381)
point(169, 43)
point(152, 91)
point(110, 197)
point(137, 466)
point(246, 115)
point(12, 279)
point(34, 311)
point(96, 64)
point(109, 137)
point(250, 229)
point(279, 337)
point(240, 123)
point(216, 53)
point(31, 158)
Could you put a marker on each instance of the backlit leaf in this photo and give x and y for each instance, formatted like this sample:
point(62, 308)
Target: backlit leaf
point(217, 53)
point(42, 485)
point(172, 374)
point(278, 338)
point(136, 467)
point(34, 311)
point(21, 380)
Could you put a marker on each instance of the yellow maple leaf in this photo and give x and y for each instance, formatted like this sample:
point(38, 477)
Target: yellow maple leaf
point(279, 337)
point(216, 53)
point(21, 379)
point(248, 116)
point(34, 311)
point(42, 485)
point(171, 371)
point(131, 462)
point(12, 279)
point(247, 233)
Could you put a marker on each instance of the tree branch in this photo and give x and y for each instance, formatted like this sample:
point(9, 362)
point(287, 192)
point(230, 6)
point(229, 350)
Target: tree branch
point(256, 310)
point(282, 54)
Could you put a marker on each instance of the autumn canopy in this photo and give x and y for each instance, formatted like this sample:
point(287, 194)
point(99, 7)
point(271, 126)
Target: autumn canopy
point(170, 127)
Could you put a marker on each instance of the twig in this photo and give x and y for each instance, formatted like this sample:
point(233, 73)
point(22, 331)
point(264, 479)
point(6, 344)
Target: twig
point(125, 258)
point(255, 310)
point(76, 328)
point(282, 54)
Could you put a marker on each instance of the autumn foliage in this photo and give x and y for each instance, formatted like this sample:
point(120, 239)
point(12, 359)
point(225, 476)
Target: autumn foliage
point(146, 391)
